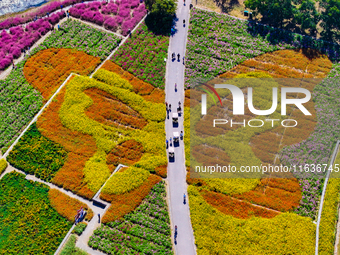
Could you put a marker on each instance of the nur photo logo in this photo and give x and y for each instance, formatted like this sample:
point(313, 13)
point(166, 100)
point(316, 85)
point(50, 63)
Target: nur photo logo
point(238, 99)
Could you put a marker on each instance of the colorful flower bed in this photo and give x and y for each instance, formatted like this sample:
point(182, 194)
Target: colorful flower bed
point(146, 230)
point(120, 15)
point(29, 224)
point(216, 232)
point(48, 69)
point(67, 206)
point(79, 228)
point(18, 39)
point(30, 16)
point(125, 203)
point(35, 154)
point(126, 153)
point(217, 43)
point(143, 56)
point(19, 101)
point(80, 148)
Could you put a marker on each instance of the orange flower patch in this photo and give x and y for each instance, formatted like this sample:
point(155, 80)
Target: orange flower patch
point(161, 171)
point(279, 194)
point(126, 153)
point(286, 64)
point(210, 155)
point(107, 109)
point(203, 127)
point(67, 206)
point(234, 207)
point(80, 148)
point(48, 69)
point(149, 92)
point(125, 203)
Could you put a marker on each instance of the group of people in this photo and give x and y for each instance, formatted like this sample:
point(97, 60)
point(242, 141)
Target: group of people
point(81, 213)
point(178, 59)
point(178, 56)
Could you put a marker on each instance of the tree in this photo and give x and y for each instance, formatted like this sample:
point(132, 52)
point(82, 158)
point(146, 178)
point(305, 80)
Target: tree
point(161, 14)
point(274, 12)
point(330, 17)
point(149, 4)
point(164, 7)
point(306, 15)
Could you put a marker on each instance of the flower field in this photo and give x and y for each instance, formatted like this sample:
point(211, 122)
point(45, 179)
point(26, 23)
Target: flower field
point(87, 139)
point(125, 203)
point(29, 16)
point(71, 249)
point(3, 165)
point(24, 207)
point(234, 207)
point(143, 56)
point(116, 16)
point(110, 111)
point(126, 181)
point(20, 102)
point(67, 206)
point(266, 145)
point(217, 43)
point(48, 69)
point(146, 230)
point(76, 35)
point(146, 90)
point(126, 153)
point(79, 228)
point(329, 217)
point(216, 232)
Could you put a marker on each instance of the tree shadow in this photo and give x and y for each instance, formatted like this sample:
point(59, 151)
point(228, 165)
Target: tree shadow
point(159, 24)
point(226, 5)
point(311, 47)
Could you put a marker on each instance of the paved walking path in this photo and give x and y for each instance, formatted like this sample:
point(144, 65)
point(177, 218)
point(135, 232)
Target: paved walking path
point(179, 213)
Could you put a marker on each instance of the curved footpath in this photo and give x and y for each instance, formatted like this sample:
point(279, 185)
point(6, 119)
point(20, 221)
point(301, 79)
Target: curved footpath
point(179, 212)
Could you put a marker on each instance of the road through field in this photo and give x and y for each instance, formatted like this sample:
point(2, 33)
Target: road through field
point(179, 212)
